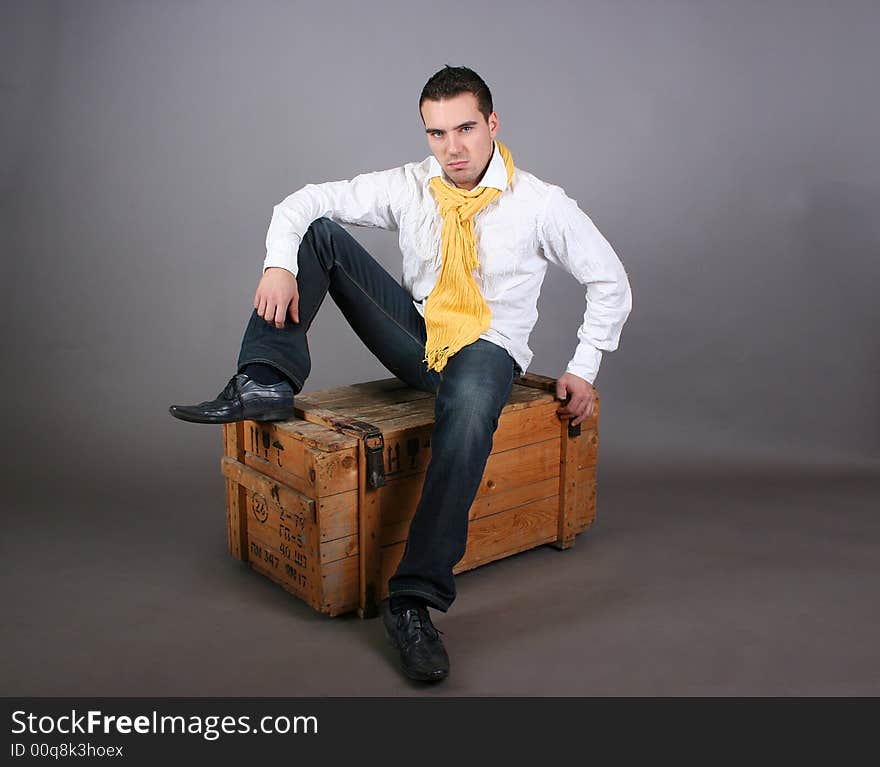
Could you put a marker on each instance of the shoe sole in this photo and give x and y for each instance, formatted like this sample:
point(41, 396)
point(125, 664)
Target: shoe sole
point(412, 675)
point(270, 415)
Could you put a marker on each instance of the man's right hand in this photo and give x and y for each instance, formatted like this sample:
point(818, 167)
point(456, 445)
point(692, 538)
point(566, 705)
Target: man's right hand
point(277, 296)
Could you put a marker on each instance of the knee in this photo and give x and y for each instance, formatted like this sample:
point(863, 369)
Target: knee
point(318, 241)
point(475, 388)
point(471, 411)
point(321, 230)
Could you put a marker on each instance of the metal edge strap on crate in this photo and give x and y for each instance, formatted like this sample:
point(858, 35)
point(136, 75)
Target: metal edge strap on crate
point(371, 468)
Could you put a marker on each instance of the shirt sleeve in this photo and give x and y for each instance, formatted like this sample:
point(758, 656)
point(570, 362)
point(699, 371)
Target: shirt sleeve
point(570, 239)
point(365, 200)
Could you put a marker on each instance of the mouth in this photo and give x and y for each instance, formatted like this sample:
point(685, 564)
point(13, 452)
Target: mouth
point(460, 164)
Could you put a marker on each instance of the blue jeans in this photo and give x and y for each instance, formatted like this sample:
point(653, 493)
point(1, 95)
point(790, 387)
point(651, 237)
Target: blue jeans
point(470, 392)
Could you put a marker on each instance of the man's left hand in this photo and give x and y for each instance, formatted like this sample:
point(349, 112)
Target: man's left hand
point(581, 394)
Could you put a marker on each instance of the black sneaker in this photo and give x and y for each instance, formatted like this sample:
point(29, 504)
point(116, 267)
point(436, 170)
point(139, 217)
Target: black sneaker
point(243, 399)
point(422, 654)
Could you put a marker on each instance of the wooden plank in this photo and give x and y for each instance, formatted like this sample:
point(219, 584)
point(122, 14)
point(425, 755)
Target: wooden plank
point(236, 522)
point(339, 549)
point(504, 471)
point(280, 447)
point(299, 483)
point(281, 531)
point(281, 494)
point(267, 560)
point(515, 529)
point(363, 389)
point(523, 427)
point(493, 537)
point(586, 498)
point(358, 399)
point(525, 402)
point(331, 473)
point(339, 587)
point(501, 500)
point(278, 453)
point(233, 440)
point(537, 381)
point(311, 434)
point(337, 515)
point(379, 413)
point(337, 512)
point(589, 451)
point(522, 466)
point(340, 422)
point(488, 504)
point(407, 452)
point(418, 420)
point(408, 438)
point(395, 417)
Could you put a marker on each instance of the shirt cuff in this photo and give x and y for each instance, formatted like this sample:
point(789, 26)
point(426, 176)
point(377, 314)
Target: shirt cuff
point(284, 261)
point(585, 363)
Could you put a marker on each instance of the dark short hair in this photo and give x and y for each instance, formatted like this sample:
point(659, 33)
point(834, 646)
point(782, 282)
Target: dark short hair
point(452, 81)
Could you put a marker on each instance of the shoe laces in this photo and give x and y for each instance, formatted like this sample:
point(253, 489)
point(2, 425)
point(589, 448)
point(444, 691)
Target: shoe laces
point(231, 387)
point(419, 622)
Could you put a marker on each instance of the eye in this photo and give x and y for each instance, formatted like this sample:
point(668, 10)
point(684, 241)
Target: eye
point(467, 127)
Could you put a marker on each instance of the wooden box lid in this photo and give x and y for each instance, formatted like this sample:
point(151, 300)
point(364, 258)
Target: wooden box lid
point(333, 419)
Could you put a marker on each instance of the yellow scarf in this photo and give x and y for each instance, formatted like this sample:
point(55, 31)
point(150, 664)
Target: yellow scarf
point(456, 314)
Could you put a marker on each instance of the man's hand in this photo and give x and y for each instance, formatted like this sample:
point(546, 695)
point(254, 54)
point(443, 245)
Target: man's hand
point(581, 394)
point(276, 294)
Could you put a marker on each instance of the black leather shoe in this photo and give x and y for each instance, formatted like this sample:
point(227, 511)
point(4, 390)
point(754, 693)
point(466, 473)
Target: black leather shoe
point(421, 651)
point(243, 399)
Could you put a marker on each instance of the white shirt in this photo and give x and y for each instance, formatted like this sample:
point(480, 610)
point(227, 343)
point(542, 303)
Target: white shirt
point(532, 223)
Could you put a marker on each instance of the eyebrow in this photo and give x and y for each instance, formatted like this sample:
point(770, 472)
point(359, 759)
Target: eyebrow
point(438, 130)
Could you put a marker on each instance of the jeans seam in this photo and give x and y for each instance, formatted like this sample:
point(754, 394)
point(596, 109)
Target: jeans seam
point(377, 304)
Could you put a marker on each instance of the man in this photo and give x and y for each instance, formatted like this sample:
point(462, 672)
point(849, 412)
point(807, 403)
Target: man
point(476, 235)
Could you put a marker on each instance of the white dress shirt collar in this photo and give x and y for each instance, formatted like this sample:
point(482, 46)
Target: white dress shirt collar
point(495, 175)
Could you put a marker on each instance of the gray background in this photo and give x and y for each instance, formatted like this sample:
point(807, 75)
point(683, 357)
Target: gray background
point(728, 151)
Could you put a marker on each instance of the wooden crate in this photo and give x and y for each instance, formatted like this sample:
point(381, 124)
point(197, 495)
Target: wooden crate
point(322, 505)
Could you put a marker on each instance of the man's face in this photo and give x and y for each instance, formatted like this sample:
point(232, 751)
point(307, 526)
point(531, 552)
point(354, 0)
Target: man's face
point(460, 137)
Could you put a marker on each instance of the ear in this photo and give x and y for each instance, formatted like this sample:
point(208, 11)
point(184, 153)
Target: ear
point(493, 124)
